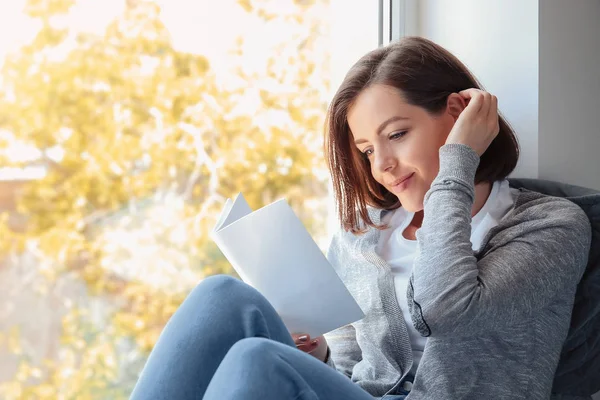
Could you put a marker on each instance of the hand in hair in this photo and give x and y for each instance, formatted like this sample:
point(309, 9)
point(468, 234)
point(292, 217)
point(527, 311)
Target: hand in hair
point(478, 123)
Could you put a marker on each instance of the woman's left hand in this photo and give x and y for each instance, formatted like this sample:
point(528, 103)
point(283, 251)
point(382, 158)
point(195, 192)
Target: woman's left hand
point(478, 124)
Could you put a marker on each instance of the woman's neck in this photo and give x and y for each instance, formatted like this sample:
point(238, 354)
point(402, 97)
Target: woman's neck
point(482, 192)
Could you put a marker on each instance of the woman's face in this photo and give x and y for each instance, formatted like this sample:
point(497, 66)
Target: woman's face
point(401, 141)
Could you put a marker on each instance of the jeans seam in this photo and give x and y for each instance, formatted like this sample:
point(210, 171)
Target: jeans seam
point(303, 392)
point(307, 388)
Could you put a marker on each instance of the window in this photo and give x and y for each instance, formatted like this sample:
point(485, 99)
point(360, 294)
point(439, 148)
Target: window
point(397, 18)
point(123, 126)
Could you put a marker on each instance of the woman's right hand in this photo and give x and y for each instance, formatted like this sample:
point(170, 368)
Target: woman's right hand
point(315, 347)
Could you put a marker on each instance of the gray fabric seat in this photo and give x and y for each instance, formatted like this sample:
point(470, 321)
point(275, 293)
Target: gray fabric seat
point(578, 372)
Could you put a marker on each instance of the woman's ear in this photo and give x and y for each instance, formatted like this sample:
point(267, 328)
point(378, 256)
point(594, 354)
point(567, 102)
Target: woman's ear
point(455, 105)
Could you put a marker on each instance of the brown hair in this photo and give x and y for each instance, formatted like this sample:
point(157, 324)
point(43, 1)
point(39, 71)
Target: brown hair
point(426, 74)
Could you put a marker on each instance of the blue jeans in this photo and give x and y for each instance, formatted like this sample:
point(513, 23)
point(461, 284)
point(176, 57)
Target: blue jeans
point(227, 342)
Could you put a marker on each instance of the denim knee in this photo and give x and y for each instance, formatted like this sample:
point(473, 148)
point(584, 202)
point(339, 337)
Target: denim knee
point(256, 352)
point(254, 369)
point(225, 293)
point(235, 309)
point(218, 284)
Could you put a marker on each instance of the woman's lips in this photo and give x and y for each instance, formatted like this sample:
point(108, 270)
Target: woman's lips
point(402, 183)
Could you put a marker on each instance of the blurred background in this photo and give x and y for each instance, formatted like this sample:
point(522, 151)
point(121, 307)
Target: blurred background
point(125, 124)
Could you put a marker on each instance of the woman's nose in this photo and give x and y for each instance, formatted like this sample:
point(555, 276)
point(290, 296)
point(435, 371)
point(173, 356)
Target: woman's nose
point(385, 161)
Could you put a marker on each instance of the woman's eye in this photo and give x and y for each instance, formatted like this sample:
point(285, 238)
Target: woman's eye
point(397, 135)
point(394, 136)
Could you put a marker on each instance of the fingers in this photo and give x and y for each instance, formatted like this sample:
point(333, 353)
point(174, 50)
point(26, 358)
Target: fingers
point(475, 100)
point(304, 342)
point(300, 338)
point(487, 105)
point(493, 114)
point(309, 347)
point(489, 110)
point(481, 102)
point(478, 124)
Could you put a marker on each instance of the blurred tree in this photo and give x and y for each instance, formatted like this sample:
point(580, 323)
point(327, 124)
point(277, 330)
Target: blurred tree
point(142, 145)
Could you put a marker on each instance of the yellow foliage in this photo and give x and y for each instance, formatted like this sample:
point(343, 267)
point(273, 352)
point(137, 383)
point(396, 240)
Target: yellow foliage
point(13, 341)
point(151, 145)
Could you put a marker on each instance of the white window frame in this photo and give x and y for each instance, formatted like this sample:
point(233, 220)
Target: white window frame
point(397, 18)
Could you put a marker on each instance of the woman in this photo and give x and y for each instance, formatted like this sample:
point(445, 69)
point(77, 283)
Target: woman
point(467, 285)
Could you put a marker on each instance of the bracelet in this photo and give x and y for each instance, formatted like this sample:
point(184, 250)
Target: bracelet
point(326, 360)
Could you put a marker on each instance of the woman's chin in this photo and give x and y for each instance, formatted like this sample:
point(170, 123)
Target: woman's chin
point(411, 206)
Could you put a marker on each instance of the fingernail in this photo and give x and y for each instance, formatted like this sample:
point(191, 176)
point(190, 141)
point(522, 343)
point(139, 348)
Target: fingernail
point(303, 338)
point(314, 342)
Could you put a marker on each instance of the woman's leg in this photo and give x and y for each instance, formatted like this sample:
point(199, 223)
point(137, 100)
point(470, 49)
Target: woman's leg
point(218, 313)
point(262, 369)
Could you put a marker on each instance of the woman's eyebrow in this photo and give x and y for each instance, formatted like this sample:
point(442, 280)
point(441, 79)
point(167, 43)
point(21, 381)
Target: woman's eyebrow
point(382, 127)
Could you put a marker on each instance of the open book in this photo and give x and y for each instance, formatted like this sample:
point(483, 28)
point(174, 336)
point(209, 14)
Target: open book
point(272, 251)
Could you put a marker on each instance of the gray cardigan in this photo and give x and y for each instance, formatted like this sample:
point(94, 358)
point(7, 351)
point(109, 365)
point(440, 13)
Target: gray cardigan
point(496, 320)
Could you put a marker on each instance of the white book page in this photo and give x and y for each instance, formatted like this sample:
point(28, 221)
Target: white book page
point(233, 211)
point(224, 214)
point(272, 251)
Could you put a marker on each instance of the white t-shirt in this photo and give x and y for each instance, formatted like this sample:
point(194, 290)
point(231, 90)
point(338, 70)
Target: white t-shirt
point(400, 253)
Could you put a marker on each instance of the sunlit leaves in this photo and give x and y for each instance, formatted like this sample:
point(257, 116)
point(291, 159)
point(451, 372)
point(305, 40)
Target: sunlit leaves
point(141, 145)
